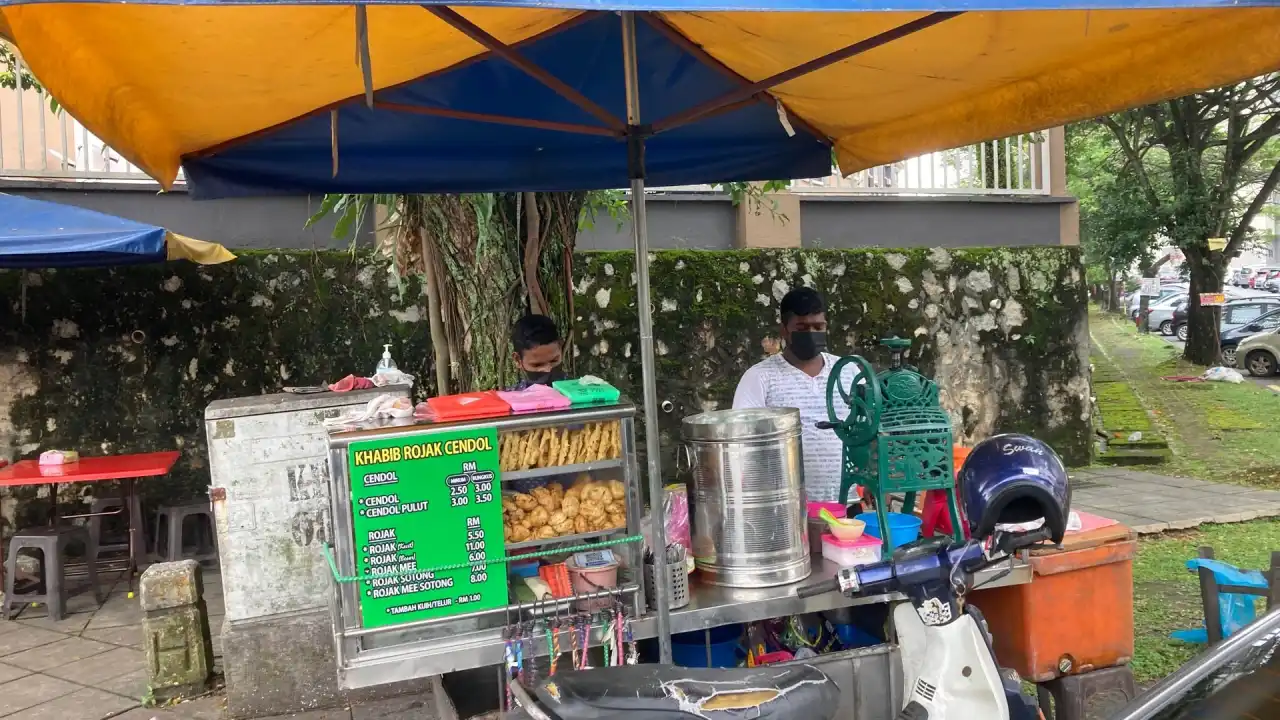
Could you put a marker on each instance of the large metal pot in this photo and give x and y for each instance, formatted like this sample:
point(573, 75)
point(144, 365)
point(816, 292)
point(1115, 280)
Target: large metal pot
point(749, 526)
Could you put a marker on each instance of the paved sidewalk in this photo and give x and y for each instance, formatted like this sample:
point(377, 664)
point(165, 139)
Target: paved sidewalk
point(89, 666)
point(1151, 503)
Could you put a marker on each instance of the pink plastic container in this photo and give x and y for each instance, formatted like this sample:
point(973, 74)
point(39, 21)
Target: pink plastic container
point(591, 580)
point(536, 398)
point(835, 508)
point(863, 551)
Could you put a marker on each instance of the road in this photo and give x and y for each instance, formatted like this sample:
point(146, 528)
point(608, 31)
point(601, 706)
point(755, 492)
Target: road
point(1272, 383)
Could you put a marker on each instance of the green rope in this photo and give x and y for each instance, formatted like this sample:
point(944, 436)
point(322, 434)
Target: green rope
point(333, 566)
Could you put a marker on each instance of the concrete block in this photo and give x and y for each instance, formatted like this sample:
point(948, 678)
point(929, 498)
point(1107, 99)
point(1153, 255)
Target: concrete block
point(286, 664)
point(175, 629)
point(170, 585)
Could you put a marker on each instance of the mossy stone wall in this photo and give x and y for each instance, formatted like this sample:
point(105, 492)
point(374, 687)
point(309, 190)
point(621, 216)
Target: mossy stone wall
point(1003, 331)
point(126, 359)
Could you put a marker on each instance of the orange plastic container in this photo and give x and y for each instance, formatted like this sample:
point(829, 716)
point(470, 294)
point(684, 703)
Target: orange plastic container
point(1075, 615)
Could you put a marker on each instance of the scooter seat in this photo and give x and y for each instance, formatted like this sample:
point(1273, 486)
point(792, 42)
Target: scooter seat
point(656, 692)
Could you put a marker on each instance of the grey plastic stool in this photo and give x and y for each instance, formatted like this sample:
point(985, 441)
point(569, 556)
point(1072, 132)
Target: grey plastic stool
point(52, 542)
point(173, 518)
point(106, 504)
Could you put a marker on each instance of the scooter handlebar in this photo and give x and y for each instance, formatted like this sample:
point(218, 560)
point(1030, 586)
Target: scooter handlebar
point(819, 588)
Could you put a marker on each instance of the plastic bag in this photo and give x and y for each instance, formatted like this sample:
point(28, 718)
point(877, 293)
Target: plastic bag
point(675, 510)
point(1234, 610)
point(1223, 374)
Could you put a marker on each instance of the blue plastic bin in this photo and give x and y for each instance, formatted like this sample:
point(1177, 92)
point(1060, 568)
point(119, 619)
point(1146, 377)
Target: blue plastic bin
point(690, 649)
point(902, 528)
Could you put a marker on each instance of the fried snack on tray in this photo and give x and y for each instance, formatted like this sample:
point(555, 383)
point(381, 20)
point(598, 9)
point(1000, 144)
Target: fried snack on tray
point(524, 502)
point(617, 490)
point(544, 498)
point(570, 506)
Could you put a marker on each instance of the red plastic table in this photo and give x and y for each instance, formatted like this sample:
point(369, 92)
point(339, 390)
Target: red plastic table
point(125, 468)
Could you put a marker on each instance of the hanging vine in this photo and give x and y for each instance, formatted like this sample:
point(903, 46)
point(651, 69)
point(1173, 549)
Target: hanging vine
point(487, 258)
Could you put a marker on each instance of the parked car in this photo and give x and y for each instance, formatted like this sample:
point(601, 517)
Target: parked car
point(1231, 339)
point(1166, 292)
point(1240, 276)
point(1235, 313)
point(1160, 315)
point(1272, 283)
point(1261, 353)
point(1259, 276)
point(1236, 679)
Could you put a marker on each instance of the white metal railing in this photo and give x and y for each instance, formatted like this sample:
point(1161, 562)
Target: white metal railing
point(39, 141)
point(1013, 166)
point(1017, 165)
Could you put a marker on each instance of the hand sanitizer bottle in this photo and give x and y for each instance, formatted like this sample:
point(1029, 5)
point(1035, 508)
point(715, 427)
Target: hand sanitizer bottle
point(386, 363)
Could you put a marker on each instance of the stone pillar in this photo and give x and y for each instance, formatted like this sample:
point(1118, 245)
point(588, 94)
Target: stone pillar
point(1069, 213)
point(175, 628)
point(773, 222)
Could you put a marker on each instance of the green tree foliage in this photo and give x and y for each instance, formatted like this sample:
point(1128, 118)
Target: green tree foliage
point(13, 73)
point(1195, 168)
point(1117, 228)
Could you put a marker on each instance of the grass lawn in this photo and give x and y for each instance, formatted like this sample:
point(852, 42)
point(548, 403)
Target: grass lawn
point(1217, 431)
point(1166, 597)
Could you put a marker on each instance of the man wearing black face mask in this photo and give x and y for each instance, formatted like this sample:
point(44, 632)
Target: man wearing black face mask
point(535, 343)
point(797, 378)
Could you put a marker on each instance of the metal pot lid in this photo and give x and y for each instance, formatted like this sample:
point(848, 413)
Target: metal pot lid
point(734, 425)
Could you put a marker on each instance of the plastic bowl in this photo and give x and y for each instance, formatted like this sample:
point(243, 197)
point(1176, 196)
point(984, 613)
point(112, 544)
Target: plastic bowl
point(847, 529)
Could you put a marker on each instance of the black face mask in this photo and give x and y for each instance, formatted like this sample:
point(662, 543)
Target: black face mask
point(807, 345)
point(544, 378)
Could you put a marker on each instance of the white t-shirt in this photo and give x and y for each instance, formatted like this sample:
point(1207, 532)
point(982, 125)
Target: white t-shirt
point(776, 383)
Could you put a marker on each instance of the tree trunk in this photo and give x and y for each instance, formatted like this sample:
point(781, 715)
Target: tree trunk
point(1203, 323)
point(1113, 293)
point(533, 255)
point(439, 344)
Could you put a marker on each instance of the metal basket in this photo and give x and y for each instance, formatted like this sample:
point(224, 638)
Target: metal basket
point(677, 585)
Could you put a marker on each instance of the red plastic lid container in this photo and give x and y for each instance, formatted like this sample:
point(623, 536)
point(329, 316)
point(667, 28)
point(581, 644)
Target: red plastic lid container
point(468, 406)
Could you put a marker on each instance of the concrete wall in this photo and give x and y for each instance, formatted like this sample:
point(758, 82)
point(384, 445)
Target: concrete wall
point(245, 223)
point(942, 221)
point(677, 220)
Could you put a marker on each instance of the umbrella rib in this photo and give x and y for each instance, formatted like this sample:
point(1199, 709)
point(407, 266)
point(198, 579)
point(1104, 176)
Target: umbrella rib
point(502, 50)
point(499, 119)
point(664, 28)
point(733, 98)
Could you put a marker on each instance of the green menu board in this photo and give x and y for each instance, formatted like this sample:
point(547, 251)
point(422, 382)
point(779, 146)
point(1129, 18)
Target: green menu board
point(422, 502)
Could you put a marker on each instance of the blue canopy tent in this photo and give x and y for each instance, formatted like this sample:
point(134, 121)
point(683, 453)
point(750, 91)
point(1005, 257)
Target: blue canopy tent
point(547, 94)
point(37, 234)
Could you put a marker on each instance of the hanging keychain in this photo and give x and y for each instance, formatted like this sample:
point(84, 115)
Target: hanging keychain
point(573, 643)
point(520, 676)
point(509, 658)
point(553, 645)
point(619, 647)
point(633, 654)
point(607, 646)
point(586, 642)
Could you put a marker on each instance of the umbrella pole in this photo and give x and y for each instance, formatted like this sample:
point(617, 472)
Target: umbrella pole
point(640, 234)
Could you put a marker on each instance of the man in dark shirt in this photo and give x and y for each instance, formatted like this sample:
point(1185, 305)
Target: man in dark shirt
point(535, 344)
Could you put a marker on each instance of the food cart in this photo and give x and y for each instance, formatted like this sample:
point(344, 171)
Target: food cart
point(420, 583)
point(711, 124)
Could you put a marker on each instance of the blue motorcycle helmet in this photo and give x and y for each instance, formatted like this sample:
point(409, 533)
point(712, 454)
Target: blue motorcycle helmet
point(1014, 479)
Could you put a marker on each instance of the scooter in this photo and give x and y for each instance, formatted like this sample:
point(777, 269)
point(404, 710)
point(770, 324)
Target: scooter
point(949, 665)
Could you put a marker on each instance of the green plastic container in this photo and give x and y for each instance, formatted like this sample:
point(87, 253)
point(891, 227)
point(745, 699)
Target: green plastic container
point(587, 394)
